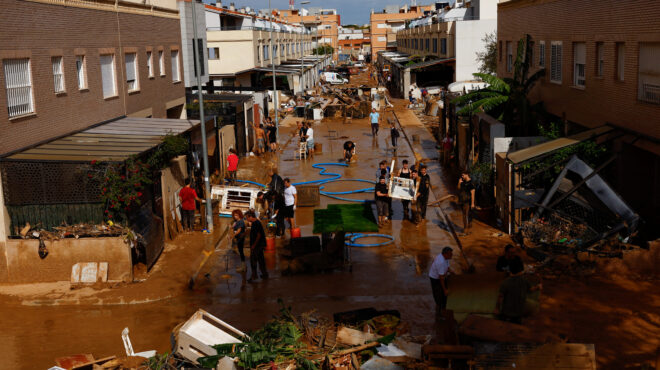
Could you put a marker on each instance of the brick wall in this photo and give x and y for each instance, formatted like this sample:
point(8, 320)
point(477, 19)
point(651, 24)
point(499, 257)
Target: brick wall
point(40, 31)
point(603, 99)
point(636, 172)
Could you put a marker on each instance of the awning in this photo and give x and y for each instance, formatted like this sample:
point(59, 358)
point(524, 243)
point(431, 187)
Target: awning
point(113, 141)
point(430, 63)
point(532, 152)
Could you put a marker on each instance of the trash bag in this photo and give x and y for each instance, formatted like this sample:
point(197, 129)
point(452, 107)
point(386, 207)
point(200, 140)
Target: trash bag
point(43, 251)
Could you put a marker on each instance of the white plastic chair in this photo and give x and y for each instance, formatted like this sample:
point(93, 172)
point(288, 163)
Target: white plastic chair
point(302, 150)
point(129, 347)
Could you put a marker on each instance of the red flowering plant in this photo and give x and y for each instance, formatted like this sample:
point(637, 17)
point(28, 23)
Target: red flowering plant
point(122, 185)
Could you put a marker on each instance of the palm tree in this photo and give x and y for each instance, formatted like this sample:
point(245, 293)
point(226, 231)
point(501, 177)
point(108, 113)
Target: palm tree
point(506, 98)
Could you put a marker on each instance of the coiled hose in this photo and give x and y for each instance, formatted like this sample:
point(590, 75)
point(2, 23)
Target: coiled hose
point(335, 177)
point(352, 237)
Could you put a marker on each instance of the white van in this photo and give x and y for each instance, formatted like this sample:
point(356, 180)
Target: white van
point(334, 78)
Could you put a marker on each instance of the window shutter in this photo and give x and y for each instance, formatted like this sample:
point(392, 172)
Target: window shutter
point(58, 78)
point(108, 75)
point(19, 86)
point(580, 53)
point(130, 67)
point(80, 69)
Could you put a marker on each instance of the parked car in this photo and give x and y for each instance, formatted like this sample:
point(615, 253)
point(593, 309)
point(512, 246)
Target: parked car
point(334, 78)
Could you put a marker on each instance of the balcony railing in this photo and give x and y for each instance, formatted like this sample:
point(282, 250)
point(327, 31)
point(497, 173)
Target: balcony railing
point(256, 28)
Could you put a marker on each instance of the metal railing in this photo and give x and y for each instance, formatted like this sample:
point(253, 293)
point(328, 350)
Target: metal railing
point(257, 28)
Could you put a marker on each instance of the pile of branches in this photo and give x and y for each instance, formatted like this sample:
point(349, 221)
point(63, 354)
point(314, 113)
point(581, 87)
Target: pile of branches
point(289, 342)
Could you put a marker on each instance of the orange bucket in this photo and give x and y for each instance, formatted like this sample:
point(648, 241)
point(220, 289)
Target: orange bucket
point(295, 233)
point(270, 244)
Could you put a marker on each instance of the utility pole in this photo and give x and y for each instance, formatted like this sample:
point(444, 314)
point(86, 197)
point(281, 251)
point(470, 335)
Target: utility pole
point(272, 61)
point(205, 155)
point(302, 52)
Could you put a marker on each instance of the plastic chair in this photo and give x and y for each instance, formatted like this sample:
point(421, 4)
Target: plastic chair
point(129, 347)
point(302, 150)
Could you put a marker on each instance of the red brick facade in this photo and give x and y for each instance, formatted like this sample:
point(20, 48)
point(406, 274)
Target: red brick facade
point(604, 98)
point(40, 31)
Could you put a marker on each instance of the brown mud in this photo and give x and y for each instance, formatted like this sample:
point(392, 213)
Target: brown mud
point(619, 313)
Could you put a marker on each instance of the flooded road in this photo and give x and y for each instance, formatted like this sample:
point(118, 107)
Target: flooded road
point(390, 277)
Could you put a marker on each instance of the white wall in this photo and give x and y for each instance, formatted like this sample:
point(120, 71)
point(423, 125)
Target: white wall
point(469, 35)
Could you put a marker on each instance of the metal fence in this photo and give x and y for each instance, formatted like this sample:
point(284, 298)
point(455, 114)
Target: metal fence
point(49, 194)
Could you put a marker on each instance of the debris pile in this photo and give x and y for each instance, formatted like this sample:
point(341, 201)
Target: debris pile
point(73, 231)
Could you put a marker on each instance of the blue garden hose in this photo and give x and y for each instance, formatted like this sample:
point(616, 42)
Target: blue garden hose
point(352, 237)
point(335, 177)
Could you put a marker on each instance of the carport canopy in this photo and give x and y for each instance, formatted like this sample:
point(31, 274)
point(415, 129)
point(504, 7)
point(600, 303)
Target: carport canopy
point(547, 147)
point(114, 141)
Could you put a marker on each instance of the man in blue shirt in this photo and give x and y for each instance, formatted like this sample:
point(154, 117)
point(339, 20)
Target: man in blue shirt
point(375, 119)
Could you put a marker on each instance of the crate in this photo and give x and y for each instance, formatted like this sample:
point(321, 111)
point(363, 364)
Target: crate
point(203, 330)
point(308, 195)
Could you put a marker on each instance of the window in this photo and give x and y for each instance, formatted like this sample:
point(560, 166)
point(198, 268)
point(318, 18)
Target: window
point(600, 58)
point(381, 25)
point(649, 72)
point(108, 75)
point(161, 62)
point(427, 45)
point(555, 61)
point(19, 87)
point(382, 38)
point(499, 49)
point(81, 72)
point(443, 46)
point(531, 53)
point(175, 66)
point(131, 71)
point(579, 62)
point(620, 57)
point(435, 45)
point(258, 54)
point(150, 64)
point(265, 52)
point(542, 54)
point(509, 56)
point(281, 50)
point(58, 75)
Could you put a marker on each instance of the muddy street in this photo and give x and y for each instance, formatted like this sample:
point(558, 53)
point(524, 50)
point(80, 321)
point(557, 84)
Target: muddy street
point(616, 312)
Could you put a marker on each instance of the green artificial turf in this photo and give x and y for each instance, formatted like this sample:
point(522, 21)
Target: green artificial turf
point(346, 217)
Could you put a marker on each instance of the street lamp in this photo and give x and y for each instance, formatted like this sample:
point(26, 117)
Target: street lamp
point(302, 50)
point(272, 61)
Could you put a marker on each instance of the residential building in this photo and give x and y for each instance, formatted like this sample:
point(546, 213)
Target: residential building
point(241, 55)
point(80, 81)
point(441, 47)
point(354, 41)
point(324, 23)
point(602, 63)
point(57, 79)
point(386, 24)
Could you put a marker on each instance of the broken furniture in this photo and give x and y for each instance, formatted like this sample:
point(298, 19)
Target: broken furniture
point(578, 212)
point(234, 197)
point(195, 338)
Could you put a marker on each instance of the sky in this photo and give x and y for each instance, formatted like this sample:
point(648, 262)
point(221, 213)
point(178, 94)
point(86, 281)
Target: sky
point(351, 11)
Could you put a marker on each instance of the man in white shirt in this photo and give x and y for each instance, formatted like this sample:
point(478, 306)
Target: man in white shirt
point(310, 138)
point(438, 273)
point(290, 201)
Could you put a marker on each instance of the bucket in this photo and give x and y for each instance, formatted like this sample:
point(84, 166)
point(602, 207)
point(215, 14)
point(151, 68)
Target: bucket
point(295, 233)
point(270, 244)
